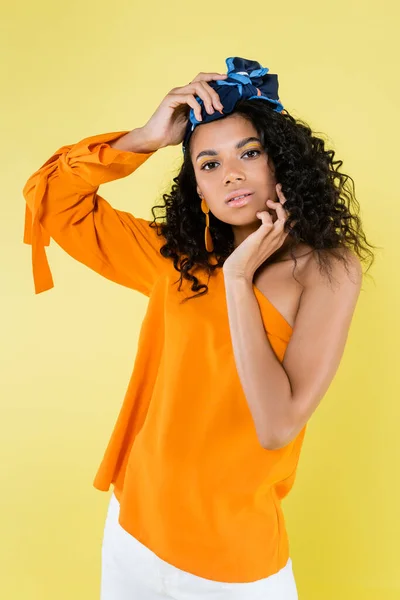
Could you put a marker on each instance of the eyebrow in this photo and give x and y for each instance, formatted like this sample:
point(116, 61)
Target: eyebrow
point(238, 146)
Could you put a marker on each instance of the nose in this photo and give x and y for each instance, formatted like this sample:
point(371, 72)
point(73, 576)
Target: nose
point(233, 170)
point(233, 175)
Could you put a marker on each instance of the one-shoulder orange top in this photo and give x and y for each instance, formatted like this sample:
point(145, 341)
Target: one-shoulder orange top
point(194, 484)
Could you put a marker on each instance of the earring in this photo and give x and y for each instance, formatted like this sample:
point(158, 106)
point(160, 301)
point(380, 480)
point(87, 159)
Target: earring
point(207, 234)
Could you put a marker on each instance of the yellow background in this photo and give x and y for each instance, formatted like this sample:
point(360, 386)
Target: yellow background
point(75, 69)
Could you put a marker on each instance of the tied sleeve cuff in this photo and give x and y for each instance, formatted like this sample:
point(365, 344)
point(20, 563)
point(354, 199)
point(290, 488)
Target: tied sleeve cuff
point(34, 234)
point(38, 239)
point(94, 162)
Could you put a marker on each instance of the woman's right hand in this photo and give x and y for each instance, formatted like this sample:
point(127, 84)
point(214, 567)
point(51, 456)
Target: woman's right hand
point(166, 127)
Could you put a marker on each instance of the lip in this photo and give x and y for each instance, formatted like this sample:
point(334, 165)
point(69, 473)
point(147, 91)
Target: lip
point(235, 193)
point(241, 202)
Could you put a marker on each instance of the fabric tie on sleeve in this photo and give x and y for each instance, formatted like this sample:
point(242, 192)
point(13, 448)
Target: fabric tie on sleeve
point(34, 234)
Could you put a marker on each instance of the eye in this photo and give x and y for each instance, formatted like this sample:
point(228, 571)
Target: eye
point(203, 168)
point(256, 151)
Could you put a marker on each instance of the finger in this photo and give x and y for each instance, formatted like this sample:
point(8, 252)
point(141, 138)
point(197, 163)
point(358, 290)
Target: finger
point(214, 96)
point(209, 76)
point(265, 217)
point(200, 90)
point(208, 99)
point(281, 212)
point(195, 89)
point(279, 223)
point(190, 100)
point(280, 194)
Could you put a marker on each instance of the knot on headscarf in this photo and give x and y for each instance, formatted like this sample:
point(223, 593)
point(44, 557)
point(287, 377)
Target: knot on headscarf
point(246, 80)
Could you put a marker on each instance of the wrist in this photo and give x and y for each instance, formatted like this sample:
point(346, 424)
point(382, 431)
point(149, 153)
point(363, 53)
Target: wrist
point(237, 278)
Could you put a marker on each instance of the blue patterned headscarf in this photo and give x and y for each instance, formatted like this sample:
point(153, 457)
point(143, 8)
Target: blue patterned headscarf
point(247, 79)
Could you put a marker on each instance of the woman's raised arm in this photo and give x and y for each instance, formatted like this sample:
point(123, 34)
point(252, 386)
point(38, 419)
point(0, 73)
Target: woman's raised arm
point(62, 200)
point(62, 203)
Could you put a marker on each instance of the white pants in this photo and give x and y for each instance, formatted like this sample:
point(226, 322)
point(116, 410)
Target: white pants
point(130, 571)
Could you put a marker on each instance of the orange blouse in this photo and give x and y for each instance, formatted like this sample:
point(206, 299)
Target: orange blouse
point(194, 484)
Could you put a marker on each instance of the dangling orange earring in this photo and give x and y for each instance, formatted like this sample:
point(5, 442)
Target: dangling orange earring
point(207, 234)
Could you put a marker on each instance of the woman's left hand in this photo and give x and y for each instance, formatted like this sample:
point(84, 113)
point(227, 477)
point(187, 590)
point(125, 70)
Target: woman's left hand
point(258, 246)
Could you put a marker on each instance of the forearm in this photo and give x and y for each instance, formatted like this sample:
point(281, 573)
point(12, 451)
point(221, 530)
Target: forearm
point(134, 141)
point(264, 380)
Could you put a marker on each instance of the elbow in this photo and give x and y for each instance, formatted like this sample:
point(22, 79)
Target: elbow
point(276, 441)
point(274, 444)
point(280, 434)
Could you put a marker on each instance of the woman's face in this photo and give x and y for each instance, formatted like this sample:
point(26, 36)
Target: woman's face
point(221, 168)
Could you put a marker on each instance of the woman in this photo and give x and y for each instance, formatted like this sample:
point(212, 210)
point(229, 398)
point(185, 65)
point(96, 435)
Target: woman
point(208, 438)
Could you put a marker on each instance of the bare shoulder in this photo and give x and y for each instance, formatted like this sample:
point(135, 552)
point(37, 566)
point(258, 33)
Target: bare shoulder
point(343, 267)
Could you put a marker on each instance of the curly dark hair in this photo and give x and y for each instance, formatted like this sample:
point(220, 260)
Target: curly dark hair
point(323, 210)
